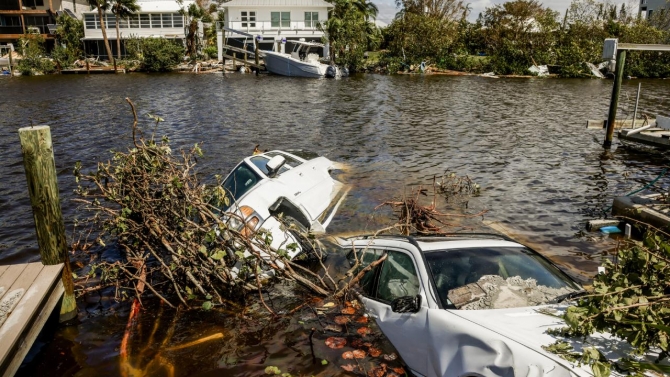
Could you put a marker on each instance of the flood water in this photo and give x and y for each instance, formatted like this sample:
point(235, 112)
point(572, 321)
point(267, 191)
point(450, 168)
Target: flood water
point(542, 173)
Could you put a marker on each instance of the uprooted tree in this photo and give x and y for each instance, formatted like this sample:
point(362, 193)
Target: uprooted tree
point(175, 239)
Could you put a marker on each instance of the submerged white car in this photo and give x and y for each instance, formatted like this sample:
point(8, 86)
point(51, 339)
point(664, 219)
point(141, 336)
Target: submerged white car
point(266, 186)
point(465, 305)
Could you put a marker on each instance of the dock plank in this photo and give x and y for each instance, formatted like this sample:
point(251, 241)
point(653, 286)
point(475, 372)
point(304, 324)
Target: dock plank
point(41, 284)
point(27, 341)
point(2, 270)
point(10, 276)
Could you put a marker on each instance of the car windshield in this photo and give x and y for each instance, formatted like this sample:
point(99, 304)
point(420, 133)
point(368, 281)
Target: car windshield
point(241, 180)
point(495, 278)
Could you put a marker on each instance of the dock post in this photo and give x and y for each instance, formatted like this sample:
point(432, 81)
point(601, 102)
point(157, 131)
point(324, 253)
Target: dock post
point(38, 160)
point(88, 67)
point(11, 63)
point(234, 63)
point(614, 101)
point(256, 52)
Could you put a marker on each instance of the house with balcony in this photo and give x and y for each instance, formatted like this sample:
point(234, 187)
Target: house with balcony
point(274, 22)
point(156, 19)
point(18, 17)
point(648, 7)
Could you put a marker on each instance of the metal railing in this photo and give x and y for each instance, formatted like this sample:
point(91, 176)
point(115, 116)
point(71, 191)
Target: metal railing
point(267, 25)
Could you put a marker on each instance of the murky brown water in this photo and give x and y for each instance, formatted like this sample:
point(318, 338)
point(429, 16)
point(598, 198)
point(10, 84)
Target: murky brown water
point(543, 175)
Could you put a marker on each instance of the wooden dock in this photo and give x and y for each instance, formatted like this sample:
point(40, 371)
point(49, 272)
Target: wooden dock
point(28, 295)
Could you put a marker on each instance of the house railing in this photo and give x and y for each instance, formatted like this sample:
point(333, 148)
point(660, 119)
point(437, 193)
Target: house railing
point(267, 25)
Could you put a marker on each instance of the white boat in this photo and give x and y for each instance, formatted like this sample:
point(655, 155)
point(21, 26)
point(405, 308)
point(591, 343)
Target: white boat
point(303, 61)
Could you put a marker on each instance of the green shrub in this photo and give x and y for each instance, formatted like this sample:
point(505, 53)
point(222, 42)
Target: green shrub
point(155, 54)
point(212, 52)
point(33, 61)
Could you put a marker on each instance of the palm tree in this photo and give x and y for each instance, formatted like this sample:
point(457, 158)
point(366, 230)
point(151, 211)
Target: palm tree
point(122, 9)
point(102, 6)
point(367, 8)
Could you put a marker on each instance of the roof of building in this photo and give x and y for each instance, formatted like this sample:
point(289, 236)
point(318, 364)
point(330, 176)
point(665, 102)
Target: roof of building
point(161, 5)
point(157, 6)
point(277, 3)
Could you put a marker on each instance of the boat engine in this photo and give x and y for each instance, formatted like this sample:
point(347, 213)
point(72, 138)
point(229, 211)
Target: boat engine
point(331, 72)
point(344, 72)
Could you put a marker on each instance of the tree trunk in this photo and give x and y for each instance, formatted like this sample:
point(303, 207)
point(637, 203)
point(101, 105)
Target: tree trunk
point(104, 34)
point(118, 39)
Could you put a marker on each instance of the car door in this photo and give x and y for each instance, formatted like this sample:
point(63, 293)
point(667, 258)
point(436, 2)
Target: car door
point(397, 277)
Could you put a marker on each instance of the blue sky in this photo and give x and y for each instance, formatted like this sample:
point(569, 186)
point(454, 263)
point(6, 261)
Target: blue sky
point(387, 9)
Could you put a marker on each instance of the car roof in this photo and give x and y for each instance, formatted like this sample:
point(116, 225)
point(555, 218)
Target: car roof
point(450, 241)
point(462, 243)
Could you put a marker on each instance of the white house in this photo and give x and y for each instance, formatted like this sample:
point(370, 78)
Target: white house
point(275, 21)
point(648, 7)
point(156, 19)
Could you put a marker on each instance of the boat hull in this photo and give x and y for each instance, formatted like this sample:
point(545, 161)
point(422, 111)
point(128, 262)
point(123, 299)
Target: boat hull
point(286, 66)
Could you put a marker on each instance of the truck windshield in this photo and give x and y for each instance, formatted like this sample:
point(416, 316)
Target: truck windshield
point(491, 270)
point(241, 180)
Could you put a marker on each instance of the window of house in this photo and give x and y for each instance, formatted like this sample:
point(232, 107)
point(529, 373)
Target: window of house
point(145, 21)
point(110, 21)
point(155, 21)
point(90, 20)
point(177, 20)
point(311, 19)
point(280, 19)
point(248, 18)
point(33, 3)
point(167, 19)
point(134, 21)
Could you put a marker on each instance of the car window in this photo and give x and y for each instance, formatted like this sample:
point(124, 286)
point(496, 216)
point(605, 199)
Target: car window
point(365, 257)
point(454, 268)
point(397, 278)
point(241, 180)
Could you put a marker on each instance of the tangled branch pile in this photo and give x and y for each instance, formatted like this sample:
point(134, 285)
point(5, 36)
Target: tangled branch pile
point(631, 301)
point(174, 238)
point(424, 219)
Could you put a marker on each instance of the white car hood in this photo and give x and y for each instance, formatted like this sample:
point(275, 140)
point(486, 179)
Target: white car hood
point(528, 327)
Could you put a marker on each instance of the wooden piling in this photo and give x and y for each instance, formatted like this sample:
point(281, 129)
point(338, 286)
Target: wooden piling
point(38, 160)
point(614, 101)
point(88, 66)
point(11, 63)
point(234, 58)
point(256, 51)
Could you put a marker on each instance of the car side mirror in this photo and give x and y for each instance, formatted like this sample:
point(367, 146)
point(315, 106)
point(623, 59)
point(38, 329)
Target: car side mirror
point(406, 304)
point(274, 165)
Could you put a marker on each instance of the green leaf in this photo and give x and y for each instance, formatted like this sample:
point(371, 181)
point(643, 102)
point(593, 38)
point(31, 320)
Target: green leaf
point(601, 369)
point(203, 249)
point(272, 370)
point(218, 254)
point(324, 362)
point(207, 305)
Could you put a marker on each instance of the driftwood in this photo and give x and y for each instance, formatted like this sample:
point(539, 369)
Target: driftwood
point(413, 217)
